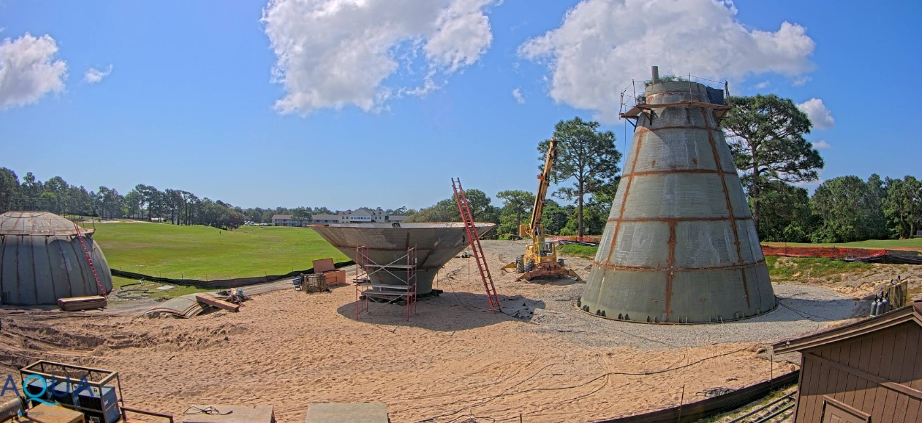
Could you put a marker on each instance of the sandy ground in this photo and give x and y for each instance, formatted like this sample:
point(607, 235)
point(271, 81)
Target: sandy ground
point(454, 361)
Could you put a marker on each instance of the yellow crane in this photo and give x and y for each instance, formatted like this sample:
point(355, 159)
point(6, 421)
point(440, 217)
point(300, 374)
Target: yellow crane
point(540, 258)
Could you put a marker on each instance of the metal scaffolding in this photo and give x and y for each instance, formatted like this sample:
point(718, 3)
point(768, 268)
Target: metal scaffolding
point(402, 268)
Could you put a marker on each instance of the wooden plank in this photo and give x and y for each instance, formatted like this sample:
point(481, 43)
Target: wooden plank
point(861, 385)
point(82, 303)
point(818, 374)
point(864, 364)
point(876, 379)
point(916, 382)
point(212, 301)
point(883, 405)
point(841, 379)
point(914, 410)
point(847, 408)
point(877, 393)
point(897, 411)
point(851, 380)
point(824, 386)
point(798, 396)
point(907, 375)
point(865, 327)
point(811, 374)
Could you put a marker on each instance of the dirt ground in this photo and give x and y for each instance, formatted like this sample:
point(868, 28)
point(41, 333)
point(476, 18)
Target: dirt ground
point(454, 361)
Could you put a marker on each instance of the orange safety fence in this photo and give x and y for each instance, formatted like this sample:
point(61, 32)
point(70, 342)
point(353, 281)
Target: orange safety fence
point(827, 252)
point(585, 238)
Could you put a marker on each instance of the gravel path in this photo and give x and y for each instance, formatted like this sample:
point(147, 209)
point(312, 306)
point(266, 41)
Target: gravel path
point(551, 308)
point(803, 309)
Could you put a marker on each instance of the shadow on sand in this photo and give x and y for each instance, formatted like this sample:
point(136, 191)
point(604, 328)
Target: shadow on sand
point(449, 311)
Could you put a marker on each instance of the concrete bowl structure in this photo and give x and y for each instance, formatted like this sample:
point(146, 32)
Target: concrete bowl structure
point(434, 243)
point(41, 260)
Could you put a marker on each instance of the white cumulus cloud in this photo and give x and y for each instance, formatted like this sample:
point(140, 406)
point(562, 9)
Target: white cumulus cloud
point(94, 75)
point(818, 113)
point(822, 145)
point(603, 44)
point(335, 53)
point(517, 95)
point(28, 70)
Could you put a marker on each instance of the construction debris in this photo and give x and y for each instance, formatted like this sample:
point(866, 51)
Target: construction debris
point(182, 307)
point(212, 301)
point(314, 283)
point(82, 303)
point(326, 268)
point(233, 296)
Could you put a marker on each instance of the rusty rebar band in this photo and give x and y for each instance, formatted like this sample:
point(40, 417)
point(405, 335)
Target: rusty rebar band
point(678, 219)
point(744, 266)
point(673, 171)
point(646, 129)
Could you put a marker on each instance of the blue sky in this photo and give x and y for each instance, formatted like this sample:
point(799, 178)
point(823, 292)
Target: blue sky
point(348, 103)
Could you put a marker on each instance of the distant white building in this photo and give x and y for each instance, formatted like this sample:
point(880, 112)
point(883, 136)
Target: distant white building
point(283, 220)
point(362, 215)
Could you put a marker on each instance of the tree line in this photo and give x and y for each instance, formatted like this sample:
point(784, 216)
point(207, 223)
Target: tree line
point(143, 202)
point(766, 138)
point(765, 134)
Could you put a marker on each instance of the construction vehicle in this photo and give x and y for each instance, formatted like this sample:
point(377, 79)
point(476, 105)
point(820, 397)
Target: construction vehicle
point(540, 258)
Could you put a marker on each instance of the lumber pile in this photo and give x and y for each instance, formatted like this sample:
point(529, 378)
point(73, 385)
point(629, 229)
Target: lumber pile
point(214, 302)
point(82, 303)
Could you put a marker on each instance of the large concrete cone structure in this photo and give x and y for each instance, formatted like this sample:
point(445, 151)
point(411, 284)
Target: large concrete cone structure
point(680, 245)
point(435, 244)
point(42, 260)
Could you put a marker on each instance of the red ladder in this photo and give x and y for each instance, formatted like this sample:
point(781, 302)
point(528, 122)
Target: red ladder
point(89, 259)
point(473, 239)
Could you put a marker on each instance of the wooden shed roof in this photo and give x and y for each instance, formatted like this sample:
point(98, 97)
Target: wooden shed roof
point(909, 313)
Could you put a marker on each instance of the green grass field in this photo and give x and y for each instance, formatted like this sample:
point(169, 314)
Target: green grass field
point(792, 268)
point(577, 250)
point(205, 253)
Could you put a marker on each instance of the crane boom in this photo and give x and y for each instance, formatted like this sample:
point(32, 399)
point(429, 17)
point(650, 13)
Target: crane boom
point(540, 258)
point(544, 180)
